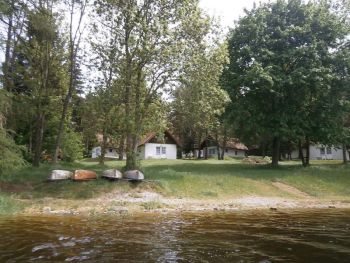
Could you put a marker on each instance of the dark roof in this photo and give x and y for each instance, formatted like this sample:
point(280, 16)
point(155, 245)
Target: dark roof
point(231, 143)
point(235, 144)
point(148, 137)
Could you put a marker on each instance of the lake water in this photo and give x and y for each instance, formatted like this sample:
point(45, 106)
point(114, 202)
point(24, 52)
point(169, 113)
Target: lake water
point(261, 236)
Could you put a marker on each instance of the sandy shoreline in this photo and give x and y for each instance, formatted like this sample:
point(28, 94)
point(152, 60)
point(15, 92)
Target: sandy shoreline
point(128, 203)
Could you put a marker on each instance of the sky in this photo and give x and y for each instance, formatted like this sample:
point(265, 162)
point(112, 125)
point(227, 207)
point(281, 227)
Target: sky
point(227, 10)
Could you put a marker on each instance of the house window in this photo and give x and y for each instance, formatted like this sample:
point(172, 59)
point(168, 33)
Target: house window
point(236, 153)
point(211, 151)
point(157, 150)
point(163, 150)
point(322, 151)
point(226, 150)
point(110, 150)
point(329, 150)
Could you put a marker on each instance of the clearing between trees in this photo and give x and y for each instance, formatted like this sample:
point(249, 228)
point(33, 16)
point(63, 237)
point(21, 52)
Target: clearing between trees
point(179, 185)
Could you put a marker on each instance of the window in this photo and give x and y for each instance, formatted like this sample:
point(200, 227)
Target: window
point(236, 153)
point(163, 150)
point(110, 150)
point(226, 150)
point(322, 151)
point(329, 150)
point(157, 150)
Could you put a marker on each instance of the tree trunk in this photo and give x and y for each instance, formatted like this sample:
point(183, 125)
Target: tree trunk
point(263, 149)
point(65, 103)
point(301, 153)
point(130, 154)
point(275, 151)
point(217, 145)
point(307, 157)
point(205, 150)
point(6, 66)
point(345, 158)
point(121, 148)
point(224, 144)
point(73, 49)
point(39, 133)
point(103, 149)
point(289, 154)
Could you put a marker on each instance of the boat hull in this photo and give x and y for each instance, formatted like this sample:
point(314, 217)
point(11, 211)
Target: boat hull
point(134, 175)
point(57, 175)
point(112, 174)
point(83, 175)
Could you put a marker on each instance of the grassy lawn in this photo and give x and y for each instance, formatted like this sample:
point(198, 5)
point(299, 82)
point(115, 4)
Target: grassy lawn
point(198, 179)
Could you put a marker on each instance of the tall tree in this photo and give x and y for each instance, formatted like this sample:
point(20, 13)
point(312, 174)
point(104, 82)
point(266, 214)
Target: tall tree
point(38, 65)
point(281, 70)
point(12, 17)
point(199, 100)
point(77, 10)
point(153, 40)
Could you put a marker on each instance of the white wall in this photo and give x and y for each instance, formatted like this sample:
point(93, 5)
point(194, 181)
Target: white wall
point(96, 152)
point(230, 152)
point(149, 151)
point(141, 152)
point(315, 153)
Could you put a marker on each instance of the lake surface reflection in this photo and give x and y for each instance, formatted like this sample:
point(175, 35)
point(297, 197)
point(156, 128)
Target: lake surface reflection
point(262, 236)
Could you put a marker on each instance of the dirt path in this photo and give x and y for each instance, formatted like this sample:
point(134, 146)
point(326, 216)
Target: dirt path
point(291, 190)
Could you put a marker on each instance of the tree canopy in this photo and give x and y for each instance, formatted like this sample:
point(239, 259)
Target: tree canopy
point(281, 76)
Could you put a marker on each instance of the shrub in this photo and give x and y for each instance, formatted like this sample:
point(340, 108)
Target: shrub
point(257, 160)
point(72, 146)
point(11, 157)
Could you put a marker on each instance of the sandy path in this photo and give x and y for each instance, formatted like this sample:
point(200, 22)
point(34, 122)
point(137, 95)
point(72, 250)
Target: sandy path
point(291, 190)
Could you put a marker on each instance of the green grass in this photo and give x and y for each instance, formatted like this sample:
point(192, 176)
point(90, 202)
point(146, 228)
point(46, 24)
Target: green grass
point(9, 205)
point(210, 179)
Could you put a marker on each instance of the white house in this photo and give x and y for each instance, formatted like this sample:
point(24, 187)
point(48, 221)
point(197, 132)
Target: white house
point(152, 147)
point(323, 152)
point(111, 148)
point(111, 152)
point(234, 148)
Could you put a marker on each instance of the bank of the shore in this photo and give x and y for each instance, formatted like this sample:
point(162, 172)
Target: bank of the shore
point(180, 185)
point(152, 202)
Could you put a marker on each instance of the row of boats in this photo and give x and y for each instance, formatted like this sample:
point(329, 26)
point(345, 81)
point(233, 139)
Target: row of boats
point(86, 175)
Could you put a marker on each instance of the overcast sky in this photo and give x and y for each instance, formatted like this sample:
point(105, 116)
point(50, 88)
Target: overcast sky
point(227, 10)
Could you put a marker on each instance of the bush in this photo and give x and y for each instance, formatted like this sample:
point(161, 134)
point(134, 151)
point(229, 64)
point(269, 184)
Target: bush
point(257, 160)
point(72, 146)
point(11, 157)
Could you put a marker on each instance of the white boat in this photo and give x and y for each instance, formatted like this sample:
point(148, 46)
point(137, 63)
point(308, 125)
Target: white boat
point(134, 175)
point(112, 174)
point(57, 175)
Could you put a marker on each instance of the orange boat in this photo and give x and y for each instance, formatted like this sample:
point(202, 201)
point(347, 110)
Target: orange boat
point(83, 175)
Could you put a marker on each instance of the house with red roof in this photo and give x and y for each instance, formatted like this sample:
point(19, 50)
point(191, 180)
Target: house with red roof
point(151, 146)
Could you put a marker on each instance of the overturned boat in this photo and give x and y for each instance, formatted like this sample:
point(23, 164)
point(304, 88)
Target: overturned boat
point(58, 175)
point(112, 174)
point(134, 175)
point(84, 175)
